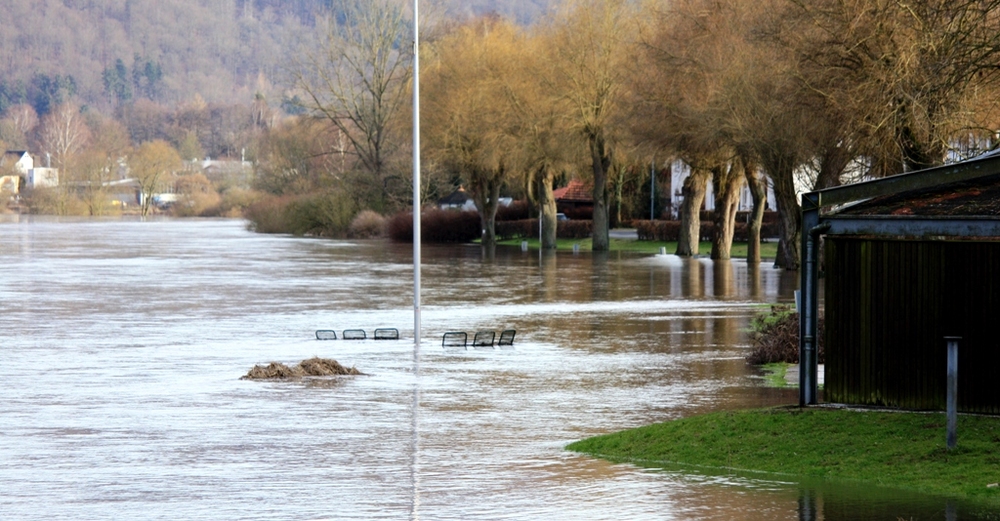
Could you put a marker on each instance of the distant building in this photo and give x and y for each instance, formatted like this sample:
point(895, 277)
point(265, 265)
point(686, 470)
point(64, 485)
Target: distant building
point(42, 177)
point(461, 200)
point(575, 200)
point(239, 172)
point(19, 160)
point(16, 164)
point(679, 171)
point(457, 200)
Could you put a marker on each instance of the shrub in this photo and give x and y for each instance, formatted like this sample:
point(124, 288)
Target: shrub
point(436, 226)
point(669, 231)
point(367, 225)
point(573, 229)
point(235, 201)
point(774, 337)
point(516, 211)
point(516, 229)
point(325, 214)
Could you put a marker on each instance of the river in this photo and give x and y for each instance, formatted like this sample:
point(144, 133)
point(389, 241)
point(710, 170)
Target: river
point(124, 342)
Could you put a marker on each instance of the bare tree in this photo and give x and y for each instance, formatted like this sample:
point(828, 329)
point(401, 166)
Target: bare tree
point(63, 133)
point(901, 73)
point(358, 80)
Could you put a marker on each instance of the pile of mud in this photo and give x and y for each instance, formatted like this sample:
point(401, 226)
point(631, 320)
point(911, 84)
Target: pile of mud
point(312, 367)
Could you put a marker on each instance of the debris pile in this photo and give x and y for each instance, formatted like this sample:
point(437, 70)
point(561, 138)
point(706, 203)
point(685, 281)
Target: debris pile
point(312, 367)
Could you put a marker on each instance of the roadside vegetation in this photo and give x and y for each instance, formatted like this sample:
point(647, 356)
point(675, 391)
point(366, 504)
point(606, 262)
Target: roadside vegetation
point(899, 450)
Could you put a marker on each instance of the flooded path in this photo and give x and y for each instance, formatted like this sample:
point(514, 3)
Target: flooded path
point(123, 344)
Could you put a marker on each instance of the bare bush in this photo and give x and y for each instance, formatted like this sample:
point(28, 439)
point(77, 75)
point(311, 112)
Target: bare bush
point(368, 224)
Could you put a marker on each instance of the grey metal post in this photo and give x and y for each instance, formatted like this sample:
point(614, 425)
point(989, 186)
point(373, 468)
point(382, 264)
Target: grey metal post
point(652, 189)
point(952, 399)
point(808, 362)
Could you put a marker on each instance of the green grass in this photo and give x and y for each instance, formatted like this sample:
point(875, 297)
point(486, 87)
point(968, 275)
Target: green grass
point(774, 374)
point(769, 250)
point(905, 451)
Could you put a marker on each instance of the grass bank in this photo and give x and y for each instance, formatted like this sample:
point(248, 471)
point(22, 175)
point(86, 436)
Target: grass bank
point(905, 451)
point(769, 250)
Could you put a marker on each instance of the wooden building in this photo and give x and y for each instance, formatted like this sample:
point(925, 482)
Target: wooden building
point(907, 260)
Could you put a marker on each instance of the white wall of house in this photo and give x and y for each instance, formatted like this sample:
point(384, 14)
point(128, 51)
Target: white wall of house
point(42, 177)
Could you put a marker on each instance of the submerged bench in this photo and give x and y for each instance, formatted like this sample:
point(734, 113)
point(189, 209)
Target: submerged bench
point(507, 337)
point(455, 339)
point(387, 333)
point(355, 334)
point(483, 338)
point(326, 334)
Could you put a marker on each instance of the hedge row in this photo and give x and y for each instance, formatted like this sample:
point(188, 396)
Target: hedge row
point(669, 231)
point(436, 226)
point(529, 228)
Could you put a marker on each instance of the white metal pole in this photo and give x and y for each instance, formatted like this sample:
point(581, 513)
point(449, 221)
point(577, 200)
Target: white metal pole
point(416, 183)
point(415, 442)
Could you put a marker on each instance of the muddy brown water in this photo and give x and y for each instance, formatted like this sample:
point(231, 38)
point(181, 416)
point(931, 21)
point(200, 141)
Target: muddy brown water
point(124, 342)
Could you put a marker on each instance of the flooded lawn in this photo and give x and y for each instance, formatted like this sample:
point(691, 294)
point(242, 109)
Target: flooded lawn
point(124, 343)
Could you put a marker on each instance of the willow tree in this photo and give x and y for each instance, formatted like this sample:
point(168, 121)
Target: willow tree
point(358, 81)
point(467, 116)
point(545, 135)
point(685, 59)
point(593, 41)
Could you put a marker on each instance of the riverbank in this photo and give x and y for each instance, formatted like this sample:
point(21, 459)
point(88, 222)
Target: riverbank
point(905, 451)
point(769, 250)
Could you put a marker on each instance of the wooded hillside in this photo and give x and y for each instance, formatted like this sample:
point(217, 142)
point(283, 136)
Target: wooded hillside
point(170, 51)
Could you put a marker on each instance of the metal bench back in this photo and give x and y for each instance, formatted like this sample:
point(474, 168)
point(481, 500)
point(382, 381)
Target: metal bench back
point(506, 337)
point(455, 339)
point(484, 338)
point(326, 334)
point(386, 333)
point(355, 334)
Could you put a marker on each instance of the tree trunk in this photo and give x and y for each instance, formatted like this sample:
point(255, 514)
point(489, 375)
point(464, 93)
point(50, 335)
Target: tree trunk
point(547, 207)
point(600, 160)
point(758, 191)
point(727, 182)
point(833, 162)
point(693, 195)
point(486, 195)
point(790, 216)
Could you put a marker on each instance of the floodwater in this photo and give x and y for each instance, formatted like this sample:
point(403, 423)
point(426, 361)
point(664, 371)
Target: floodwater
point(124, 341)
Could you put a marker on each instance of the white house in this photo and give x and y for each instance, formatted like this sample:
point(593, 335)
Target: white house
point(679, 171)
point(20, 159)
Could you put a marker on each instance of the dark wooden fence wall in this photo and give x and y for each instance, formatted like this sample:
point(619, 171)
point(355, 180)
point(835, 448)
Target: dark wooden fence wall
point(890, 303)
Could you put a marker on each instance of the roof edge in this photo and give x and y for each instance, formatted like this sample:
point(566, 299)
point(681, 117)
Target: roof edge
point(980, 166)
